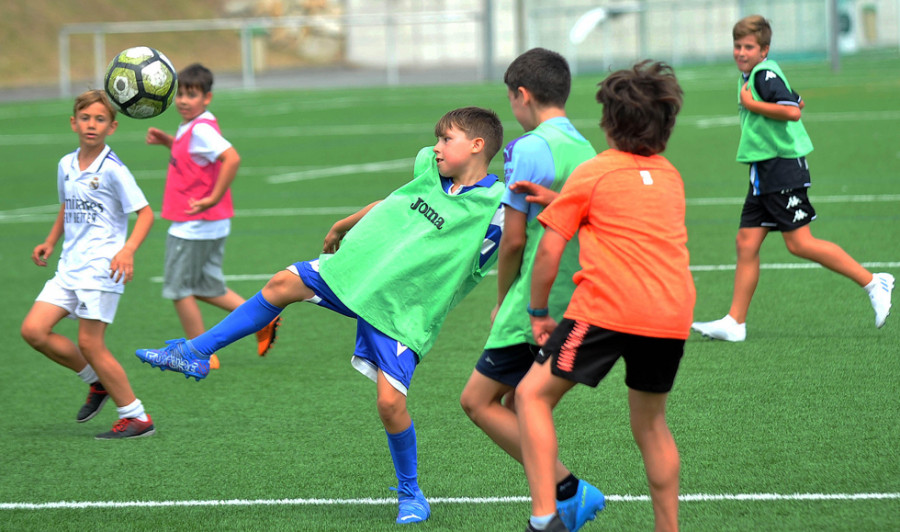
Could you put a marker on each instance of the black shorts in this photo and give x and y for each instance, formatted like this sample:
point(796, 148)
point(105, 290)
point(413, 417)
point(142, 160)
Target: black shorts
point(780, 211)
point(585, 353)
point(776, 174)
point(507, 365)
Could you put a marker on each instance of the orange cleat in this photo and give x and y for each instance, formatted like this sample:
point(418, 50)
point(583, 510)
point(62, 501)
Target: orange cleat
point(266, 336)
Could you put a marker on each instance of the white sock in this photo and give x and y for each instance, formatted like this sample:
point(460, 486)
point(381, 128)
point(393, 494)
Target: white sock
point(728, 318)
point(135, 409)
point(872, 284)
point(88, 375)
point(540, 523)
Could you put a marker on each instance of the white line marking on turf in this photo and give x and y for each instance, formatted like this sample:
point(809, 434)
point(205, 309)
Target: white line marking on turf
point(694, 268)
point(366, 168)
point(44, 213)
point(700, 497)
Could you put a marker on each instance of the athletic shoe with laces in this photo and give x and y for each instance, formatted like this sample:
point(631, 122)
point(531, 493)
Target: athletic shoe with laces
point(129, 427)
point(555, 525)
point(724, 329)
point(96, 398)
point(581, 507)
point(413, 506)
point(880, 296)
point(266, 336)
point(178, 355)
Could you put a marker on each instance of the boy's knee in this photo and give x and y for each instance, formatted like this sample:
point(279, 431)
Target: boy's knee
point(33, 336)
point(390, 408)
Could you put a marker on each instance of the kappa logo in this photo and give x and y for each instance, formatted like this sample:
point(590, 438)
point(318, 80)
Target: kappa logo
point(793, 201)
point(799, 215)
point(770, 75)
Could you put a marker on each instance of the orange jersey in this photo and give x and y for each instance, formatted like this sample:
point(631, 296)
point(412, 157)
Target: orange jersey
point(628, 211)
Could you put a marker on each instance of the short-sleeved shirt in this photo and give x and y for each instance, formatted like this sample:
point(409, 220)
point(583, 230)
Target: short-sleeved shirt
point(206, 146)
point(629, 213)
point(97, 203)
point(528, 158)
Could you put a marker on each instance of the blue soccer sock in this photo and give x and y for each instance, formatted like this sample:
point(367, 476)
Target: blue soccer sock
point(251, 316)
point(403, 451)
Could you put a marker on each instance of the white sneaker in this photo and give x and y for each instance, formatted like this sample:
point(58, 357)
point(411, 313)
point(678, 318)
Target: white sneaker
point(880, 295)
point(724, 329)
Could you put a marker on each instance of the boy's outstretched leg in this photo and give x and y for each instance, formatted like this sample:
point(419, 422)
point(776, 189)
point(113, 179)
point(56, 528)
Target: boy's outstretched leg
point(191, 357)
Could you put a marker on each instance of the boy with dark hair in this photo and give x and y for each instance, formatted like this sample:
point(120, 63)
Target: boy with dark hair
point(538, 84)
point(774, 144)
point(634, 296)
point(197, 199)
point(96, 193)
point(398, 267)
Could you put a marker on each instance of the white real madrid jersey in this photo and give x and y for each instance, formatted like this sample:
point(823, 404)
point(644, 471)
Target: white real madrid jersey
point(97, 204)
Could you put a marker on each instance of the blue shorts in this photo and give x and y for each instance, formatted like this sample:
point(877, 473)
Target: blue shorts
point(374, 350)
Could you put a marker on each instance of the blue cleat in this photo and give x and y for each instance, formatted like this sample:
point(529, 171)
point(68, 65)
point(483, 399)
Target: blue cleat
point(413, 506)
point(582, 507)
point(178, 355)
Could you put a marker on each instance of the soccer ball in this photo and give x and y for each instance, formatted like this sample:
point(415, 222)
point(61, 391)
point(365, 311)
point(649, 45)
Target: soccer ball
point(141, 82)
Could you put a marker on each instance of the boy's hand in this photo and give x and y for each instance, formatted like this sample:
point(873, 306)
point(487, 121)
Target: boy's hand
point(156, 136)
point(535, 193)
point(541, 327)
point(746, 94)
point(494, 312)
point(40, 254)
point(121, 268)
point(333, 240)
point(200, 205)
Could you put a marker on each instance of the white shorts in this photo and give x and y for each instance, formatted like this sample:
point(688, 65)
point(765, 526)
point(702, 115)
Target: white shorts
point(81, 304)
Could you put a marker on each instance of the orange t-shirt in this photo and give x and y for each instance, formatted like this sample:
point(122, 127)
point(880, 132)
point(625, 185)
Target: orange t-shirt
point(628, 211)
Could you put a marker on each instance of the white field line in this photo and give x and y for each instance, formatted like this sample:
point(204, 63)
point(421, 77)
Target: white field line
point(752, 497)
point(702, 122)
point(45, 213)
point(693, 268)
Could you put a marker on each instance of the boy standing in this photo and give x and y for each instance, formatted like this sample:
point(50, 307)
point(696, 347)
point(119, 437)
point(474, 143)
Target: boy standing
point(197, 199)
point(774, 144)
point(634, 296)
point(398, 267)
point(538, 84)
point(96, 195)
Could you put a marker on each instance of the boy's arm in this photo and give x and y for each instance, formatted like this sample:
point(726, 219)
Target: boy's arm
point(158, 136)
point(340, 228)
point(546, 266)
point(509, 256)
point(771, 110)
point(230, 163)
point(43, 250)
point(535, 193)
point(121, 268)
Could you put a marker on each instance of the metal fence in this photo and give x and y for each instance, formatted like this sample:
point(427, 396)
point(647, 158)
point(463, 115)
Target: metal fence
point(480, 37)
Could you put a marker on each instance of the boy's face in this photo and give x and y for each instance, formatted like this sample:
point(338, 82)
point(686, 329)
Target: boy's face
point(454, 152)
point(748, 53)
point(191, 102)
point(93, 124)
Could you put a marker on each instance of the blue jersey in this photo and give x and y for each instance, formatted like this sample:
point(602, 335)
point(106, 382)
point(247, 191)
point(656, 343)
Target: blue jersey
point(528, 158)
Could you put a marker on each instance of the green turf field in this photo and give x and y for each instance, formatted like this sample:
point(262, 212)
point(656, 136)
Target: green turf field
point(794, 429)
